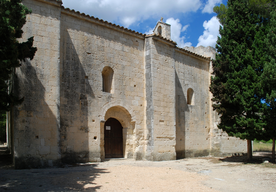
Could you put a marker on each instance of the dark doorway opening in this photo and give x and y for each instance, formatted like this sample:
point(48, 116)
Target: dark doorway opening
point(3, 133)
point(113, 139)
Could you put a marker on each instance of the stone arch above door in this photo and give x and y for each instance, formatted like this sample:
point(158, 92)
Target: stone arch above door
point(124, 117)
point(119, 113)
point(119, 104)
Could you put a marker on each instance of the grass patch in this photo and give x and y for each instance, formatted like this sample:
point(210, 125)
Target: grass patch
point(262, 146)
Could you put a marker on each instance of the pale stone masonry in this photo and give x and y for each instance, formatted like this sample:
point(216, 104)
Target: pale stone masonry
point(87, 71)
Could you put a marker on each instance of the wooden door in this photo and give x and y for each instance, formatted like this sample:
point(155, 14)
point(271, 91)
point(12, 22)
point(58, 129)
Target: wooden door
point(113, 138)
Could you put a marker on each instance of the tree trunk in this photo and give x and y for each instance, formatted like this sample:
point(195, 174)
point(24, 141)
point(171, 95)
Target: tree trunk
point(273, 151)
point(249, 150)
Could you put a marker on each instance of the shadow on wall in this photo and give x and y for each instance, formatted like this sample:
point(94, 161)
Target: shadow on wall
point(76, 96)
point(35, 125)
point(180, 108)
point(180, 102)
point(190, 72)
point(79, 178)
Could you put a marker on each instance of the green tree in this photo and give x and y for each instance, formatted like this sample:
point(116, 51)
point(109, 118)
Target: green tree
point(12, 52)
point(262, 7)
point(269, 82)
point(237, 72)
point(221, 11)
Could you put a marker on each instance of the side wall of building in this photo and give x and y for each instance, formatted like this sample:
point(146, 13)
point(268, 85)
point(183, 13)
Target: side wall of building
point(36, 120)
point(220, 143)
point(160, 91)
point(88, 47)
point(192, 106)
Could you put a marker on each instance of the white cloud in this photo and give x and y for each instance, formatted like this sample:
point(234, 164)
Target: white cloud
point(150, 31)
point(210, 5)
point(210, 34)
point(176, 29)
point(127, 12)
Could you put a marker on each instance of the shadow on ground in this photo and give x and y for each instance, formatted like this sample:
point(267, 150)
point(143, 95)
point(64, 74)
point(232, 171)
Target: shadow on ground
point(5, 158)
point(258, 158)
point(77, 177)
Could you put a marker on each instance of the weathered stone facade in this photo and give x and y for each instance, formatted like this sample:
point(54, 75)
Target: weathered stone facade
point(87, 71)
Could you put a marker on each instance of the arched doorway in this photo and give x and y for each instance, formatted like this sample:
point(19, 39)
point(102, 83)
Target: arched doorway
point(113, 139)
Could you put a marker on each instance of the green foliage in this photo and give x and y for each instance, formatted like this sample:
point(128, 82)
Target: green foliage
point(12, 52)
point(263, 141)
point(269, 79)
point(221, 12)
point(238, 68)
point(262, 7)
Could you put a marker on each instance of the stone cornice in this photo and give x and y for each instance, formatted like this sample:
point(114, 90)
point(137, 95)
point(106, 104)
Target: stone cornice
point(192, 54)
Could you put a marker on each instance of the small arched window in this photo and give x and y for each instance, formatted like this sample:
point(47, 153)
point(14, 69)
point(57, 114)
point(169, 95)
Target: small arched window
point(107, 75)
point(190, 96)
point(159, 30)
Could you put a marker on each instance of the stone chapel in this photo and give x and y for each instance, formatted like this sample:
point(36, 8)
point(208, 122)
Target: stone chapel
point(96, 90)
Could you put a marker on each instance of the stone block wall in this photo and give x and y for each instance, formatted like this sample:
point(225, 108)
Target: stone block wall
point(87, 48)
point(192, 120)
point(160, 100)
point(62, 118)
point(220, 143)
point(36, 125)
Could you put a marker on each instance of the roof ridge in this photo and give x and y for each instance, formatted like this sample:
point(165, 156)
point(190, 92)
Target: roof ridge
point(182, 49)
point(193, 53)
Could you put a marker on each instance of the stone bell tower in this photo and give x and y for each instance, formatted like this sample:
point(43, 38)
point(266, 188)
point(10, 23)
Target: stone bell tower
point(163, 29)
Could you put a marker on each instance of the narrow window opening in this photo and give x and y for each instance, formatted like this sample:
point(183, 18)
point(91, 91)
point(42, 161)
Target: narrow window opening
point(159, 30)
point(190, 96)
point(107, 75)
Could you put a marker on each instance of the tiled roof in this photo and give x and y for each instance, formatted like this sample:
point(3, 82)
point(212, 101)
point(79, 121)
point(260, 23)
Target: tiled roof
point(163, 38)
point(180, 49)
point(194, 54)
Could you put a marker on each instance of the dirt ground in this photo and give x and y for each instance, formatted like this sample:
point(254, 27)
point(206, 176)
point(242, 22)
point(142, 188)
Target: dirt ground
point(192, 174)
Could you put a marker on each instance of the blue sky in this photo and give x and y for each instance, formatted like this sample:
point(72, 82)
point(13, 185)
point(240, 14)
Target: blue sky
point(193, 22)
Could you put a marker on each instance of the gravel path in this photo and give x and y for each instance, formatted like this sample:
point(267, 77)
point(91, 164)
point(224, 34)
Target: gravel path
point(195, 174)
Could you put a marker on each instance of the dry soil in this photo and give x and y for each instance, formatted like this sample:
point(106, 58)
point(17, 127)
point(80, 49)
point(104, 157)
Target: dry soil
point(191, 174)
